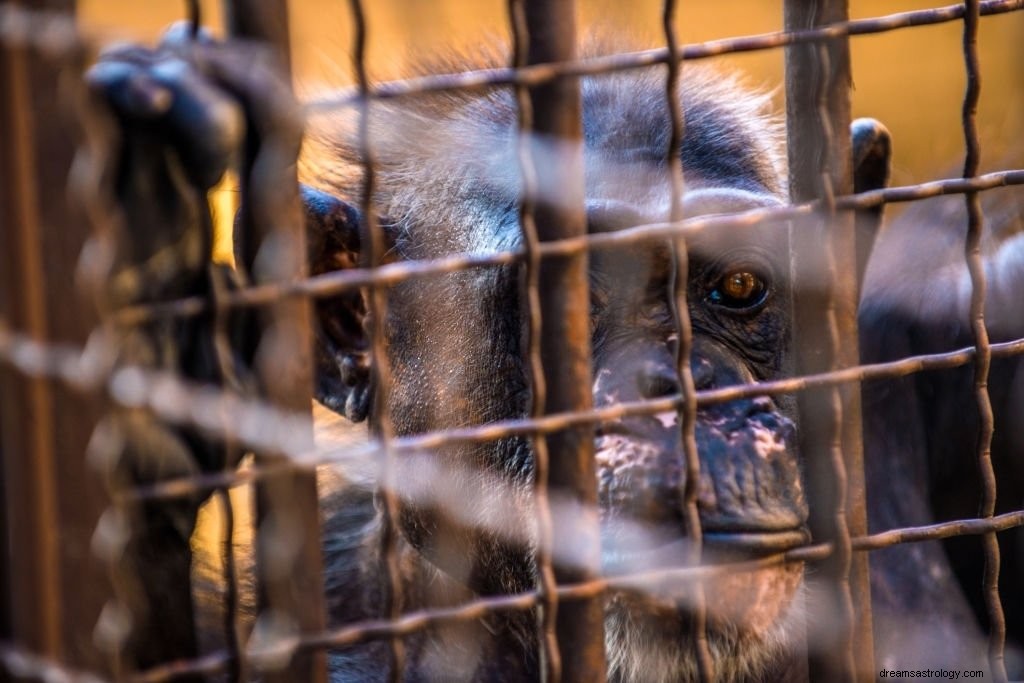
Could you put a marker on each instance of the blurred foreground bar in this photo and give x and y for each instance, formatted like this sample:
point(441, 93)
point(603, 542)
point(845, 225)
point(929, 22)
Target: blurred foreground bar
point(825, 323)
point(565, 337)
point(289, 564)
point(53, 589)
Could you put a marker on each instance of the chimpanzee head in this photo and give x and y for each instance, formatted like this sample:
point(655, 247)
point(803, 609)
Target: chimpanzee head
point(448, 183)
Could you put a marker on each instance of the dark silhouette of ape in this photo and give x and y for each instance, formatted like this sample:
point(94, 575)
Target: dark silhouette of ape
point(921, 431)
point(448, 183)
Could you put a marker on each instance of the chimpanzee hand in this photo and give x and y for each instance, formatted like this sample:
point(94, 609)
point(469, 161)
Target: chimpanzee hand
point(185, 110)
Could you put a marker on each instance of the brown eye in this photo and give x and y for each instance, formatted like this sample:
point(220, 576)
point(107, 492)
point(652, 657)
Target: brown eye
point(739, 289)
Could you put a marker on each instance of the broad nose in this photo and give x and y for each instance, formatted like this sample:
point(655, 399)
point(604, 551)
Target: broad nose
point(658, 379)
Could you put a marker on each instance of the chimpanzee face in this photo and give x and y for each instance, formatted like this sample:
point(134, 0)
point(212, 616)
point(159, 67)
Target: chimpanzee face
point(455, 356)
point(750, 496)
point(454, 345)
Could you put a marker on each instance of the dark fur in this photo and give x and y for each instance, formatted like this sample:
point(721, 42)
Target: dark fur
point(921, 431)
point(448, 182)
point(921, 613)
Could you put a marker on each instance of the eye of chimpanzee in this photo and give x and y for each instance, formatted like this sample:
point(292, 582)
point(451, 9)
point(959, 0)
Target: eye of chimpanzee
point(741, 289)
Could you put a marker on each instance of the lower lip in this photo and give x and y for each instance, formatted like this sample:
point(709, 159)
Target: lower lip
point(757, 542)
point(719, 547)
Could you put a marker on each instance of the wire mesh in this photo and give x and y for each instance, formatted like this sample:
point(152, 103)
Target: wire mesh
point(684, 345)
point(253, 423)
point(983, 352)
point(375, 247)
point(550, 651)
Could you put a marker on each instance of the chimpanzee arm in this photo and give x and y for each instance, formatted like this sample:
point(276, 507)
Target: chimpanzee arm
point(183, 113)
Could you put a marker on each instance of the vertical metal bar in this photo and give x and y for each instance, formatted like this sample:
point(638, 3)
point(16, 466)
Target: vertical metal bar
point(287, 505)
point(825, 312)
point(373, 239)
point(52, 498)
point(983, 357)
point(550, 654)
point(263, 20)
point(29, 470)
point(565, 343)
point(684, 345)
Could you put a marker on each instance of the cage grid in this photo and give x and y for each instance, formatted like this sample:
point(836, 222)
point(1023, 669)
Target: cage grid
point(278, 424)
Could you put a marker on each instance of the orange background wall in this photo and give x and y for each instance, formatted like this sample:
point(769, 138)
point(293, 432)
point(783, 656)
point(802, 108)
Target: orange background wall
point(911, 79)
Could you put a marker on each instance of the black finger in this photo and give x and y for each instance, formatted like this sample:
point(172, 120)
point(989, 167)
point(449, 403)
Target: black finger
point(204, 123)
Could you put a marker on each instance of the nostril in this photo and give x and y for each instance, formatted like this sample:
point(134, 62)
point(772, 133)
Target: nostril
point(657, 380)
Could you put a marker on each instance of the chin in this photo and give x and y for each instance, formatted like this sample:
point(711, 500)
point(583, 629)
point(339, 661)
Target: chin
point(755, 620)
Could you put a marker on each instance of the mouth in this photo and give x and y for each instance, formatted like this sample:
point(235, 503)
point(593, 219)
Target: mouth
point(756, 542)
point(719, 547)
point(751, 599)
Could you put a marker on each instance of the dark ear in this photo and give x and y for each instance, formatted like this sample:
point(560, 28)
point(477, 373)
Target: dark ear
point(342, 348)
point(872, 153)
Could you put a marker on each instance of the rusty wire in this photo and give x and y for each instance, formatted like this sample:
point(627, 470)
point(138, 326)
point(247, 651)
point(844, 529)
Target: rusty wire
point(56, 34)
point(42, 501)
point(225, 368)
point(544, 73)
point(411, 622)
point(195, 18)
point(416, 621)
point(374, 248)
point(90, 368)
point(552, 657)
point(983, 355)
point(231, 625)
point(333, 283)
point(261, 426)
point(19, 660)
point(687, 410)
point(92, 161)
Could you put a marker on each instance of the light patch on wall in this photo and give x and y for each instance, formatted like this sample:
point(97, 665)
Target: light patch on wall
point(223, 200)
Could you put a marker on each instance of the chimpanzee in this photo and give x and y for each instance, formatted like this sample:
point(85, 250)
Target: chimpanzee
point(921, 431)
point(447, 182)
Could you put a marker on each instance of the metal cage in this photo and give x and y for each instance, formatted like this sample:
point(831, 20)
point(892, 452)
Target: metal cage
point(64, 526)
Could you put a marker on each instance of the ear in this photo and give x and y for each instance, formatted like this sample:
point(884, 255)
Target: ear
point(342, 346)
point(872, 154)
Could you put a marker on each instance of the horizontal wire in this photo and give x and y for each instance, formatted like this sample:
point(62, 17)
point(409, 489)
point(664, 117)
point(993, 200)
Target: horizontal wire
point(260, 426)
point(544, 73)
point(25, 663)
point(56, 34)
point(419, 620)
point(337, 282)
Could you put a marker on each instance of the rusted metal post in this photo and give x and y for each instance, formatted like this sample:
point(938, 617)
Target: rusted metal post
point(27, 420)
point(565, 338)
point(272, 248)
point(825, 323)
point(52, 499)
point(263, 20)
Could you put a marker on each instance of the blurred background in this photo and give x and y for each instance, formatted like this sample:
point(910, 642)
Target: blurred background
point(911, 79)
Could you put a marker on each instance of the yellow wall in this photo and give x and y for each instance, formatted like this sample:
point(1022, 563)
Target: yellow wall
point(911, 79)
